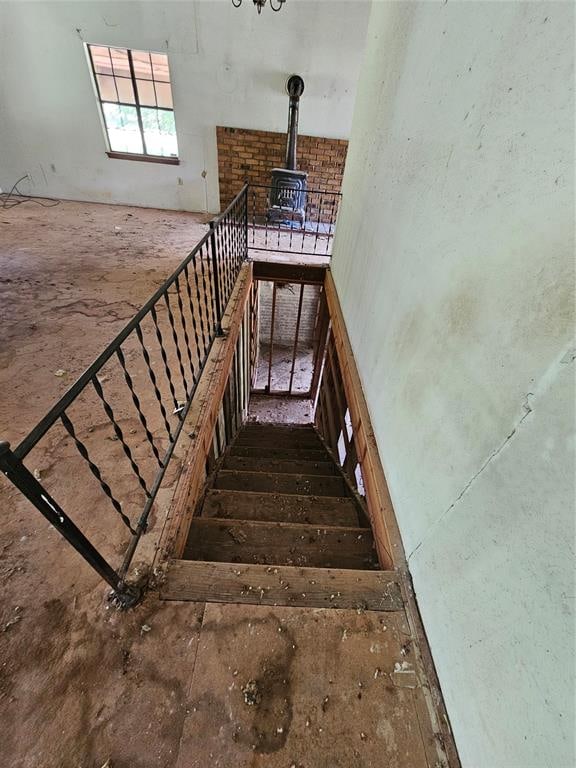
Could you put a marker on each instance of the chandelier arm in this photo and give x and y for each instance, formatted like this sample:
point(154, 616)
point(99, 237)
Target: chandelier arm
point(280, 4)
point(236, 3)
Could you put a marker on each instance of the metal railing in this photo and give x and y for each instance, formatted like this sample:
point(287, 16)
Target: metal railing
point(286, 233)
point(151, 371)
point(234, 406)
point(292, 329)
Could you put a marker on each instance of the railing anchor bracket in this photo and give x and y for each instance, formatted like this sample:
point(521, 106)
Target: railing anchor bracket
point(125, 597)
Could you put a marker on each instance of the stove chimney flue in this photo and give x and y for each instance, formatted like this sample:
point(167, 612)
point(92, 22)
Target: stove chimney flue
point(295, 89)
point(287, 201)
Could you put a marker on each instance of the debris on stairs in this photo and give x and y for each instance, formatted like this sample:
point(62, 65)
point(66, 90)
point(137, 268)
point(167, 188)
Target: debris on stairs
point(279, 525)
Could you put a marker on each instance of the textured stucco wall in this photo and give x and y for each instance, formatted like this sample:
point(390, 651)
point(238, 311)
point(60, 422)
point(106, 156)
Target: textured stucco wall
point(228, 67)
point(454, 262)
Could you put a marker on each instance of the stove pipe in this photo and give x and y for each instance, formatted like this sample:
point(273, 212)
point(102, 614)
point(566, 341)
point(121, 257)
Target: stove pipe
point(295, 88)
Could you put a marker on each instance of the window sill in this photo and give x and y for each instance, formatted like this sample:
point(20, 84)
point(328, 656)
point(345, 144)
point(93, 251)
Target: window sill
point(144, 158)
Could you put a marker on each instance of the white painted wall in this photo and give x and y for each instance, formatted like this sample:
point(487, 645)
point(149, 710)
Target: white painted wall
point(228, 67)
point(454, 262)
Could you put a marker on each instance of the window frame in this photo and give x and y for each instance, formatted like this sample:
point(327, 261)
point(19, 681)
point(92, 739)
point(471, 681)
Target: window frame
point(144, 155)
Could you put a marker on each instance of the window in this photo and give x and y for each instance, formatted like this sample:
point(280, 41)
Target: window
point(136, 101)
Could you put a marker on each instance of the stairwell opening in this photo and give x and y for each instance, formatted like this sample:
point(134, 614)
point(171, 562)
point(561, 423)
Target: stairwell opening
point(277, 513)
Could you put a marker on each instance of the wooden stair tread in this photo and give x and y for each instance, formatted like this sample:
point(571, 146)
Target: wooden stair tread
point(291, 454)
point(276, 482)
point(282, 586)
point(273, 543)
point(247, 505)
point(283, 466)
point(279, 439)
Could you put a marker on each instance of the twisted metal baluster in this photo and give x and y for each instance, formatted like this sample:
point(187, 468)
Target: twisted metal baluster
point(231, 235)
point(136, 401)
point(318, 224)
point(222, 267)
point(235, 244)
point(236, 231)
point(330, 233)
point(83, 451)
point(228, 257)
point(253, 216)
point(239, 237)
point(164, 357)
point(176, 343)
point(185, 328)
point(307, 205)
point(199, 302)
point(244, 224)
point(205, 305)
point(240, 221)
point(266, 225)
point(278, 233)
point(120, 435)
point(152, 376)
point(212, 278)
point(193, 313)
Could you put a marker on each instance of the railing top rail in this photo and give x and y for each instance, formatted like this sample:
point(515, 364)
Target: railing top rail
point(316, 191)
point(217, 219)
point(38, 432)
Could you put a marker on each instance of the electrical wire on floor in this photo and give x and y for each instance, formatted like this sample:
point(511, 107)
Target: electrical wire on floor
point(10, 200)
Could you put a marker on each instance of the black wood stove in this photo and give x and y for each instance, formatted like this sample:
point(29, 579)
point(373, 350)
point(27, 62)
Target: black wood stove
point(288, 193)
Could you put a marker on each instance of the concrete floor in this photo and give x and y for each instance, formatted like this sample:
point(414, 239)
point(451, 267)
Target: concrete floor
point(280, 410)
point(161, 685)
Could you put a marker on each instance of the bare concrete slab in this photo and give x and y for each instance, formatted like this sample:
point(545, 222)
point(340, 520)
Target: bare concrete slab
point(302, 688)
point(280, 410)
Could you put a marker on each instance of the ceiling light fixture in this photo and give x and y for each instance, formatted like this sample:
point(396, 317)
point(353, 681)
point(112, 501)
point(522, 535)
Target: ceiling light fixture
point(276, 5)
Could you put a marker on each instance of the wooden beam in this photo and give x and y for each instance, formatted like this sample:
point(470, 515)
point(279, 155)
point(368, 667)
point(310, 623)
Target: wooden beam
point(380, 509)
point(281, 585)
point(288, 273)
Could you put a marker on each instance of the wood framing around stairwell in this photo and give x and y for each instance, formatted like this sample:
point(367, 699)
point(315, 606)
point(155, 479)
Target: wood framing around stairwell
point(338, 365)
point(340, 361)
point(209, 513)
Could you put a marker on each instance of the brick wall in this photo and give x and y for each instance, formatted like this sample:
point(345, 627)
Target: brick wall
point(250, 155)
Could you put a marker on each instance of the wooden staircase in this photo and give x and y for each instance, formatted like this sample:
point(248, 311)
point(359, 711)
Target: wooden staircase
point(279, 525)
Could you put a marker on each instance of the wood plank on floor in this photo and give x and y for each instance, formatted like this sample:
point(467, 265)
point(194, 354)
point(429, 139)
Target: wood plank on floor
point(283, 466)
point(323, 690)
point(270, 482)
point(317, 510)
point(249, 541)
point(281, 585)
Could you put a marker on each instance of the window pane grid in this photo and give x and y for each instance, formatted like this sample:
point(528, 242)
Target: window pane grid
point(136, 100)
